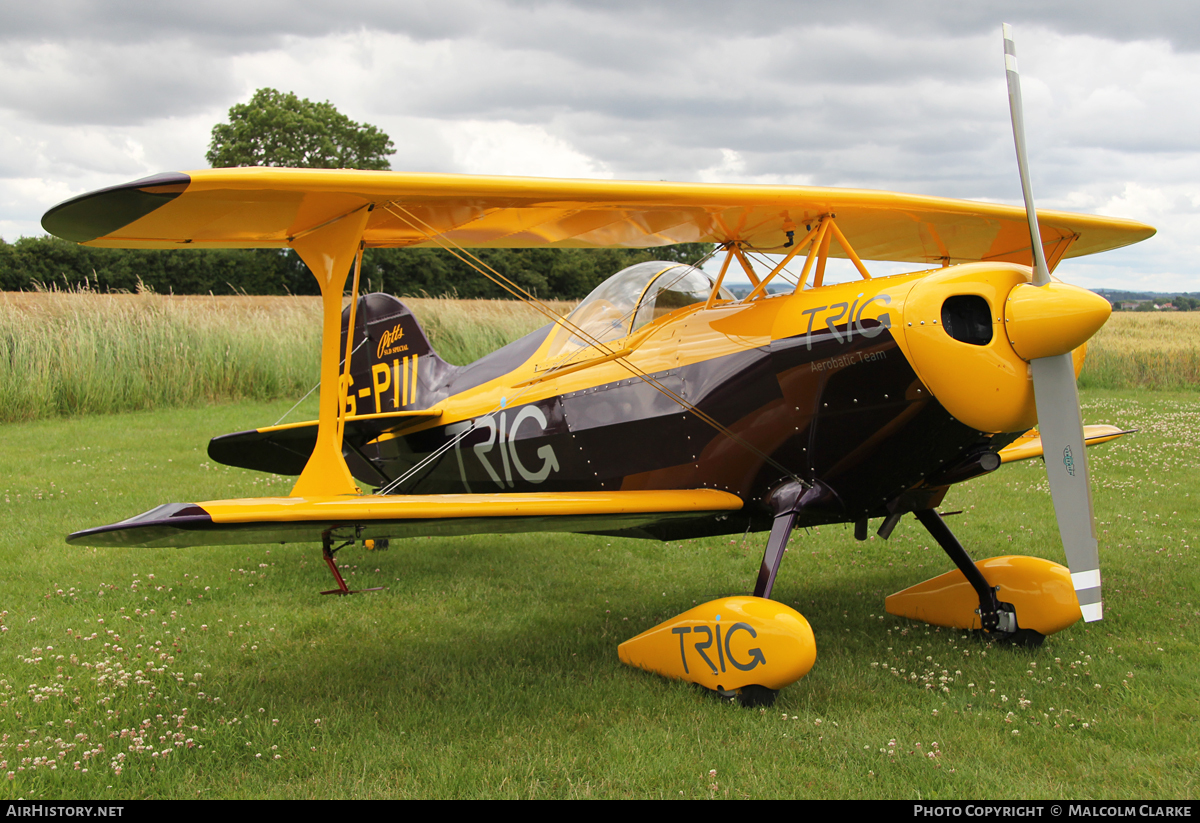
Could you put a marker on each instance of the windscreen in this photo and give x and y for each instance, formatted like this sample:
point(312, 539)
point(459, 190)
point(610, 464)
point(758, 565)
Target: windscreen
point(635, 297)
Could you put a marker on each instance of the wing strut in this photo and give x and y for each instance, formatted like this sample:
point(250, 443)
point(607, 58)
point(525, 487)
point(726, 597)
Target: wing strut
point(712, 295)
point(796, 247)
point(817, 241)
point(328, 251)
point(344, 380)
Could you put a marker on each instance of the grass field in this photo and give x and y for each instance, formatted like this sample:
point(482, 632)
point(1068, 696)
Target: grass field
point(488, 667)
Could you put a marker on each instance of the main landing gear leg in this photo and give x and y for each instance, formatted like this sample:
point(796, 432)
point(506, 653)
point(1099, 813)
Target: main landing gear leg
point(328, 550)
point(787, 501)
point(781, 529)
point(995, 617)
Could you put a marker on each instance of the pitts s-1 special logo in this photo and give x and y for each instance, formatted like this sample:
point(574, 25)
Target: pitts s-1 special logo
point(389, 343)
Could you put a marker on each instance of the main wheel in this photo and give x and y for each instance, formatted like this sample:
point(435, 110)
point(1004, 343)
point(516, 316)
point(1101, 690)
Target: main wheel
point(752, 697)
point(1021, 638)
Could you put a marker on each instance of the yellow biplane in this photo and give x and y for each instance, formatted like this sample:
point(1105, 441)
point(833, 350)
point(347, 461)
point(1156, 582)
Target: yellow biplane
point(662, 407)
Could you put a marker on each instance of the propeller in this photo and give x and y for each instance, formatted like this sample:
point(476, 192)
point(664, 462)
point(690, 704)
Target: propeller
point(1059, 418)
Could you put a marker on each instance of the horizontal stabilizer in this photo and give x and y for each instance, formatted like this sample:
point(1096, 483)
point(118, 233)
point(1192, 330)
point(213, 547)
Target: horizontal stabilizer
point(285, 449)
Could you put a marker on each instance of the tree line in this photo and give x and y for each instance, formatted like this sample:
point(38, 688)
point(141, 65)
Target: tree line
point(34, 263)
point(1181, 303)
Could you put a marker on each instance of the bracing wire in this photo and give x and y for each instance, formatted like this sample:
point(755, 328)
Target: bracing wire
point(517, 291)
point(317, 386)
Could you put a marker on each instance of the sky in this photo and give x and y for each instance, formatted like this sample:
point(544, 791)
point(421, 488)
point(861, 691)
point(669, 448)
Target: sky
point(907, 96)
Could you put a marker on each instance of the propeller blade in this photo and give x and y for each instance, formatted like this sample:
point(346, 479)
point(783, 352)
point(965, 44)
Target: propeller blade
point(1061, 429)
point(1060, 422)
point(1041, 274)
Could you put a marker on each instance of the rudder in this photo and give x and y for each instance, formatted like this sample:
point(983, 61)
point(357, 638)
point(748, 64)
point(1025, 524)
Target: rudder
point(393, 367)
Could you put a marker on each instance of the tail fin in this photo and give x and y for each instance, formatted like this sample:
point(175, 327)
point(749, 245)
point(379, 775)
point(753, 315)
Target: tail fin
point(392, 366)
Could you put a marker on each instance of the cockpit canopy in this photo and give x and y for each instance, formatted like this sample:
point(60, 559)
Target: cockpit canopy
point(636, 296)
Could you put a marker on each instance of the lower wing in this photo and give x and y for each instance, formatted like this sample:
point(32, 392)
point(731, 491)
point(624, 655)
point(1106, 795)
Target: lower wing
point(310, 519)
point(1030, 443)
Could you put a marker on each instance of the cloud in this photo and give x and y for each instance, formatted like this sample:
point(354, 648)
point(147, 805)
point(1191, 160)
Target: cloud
point(902, 96)
point(499, 147)
point(77, 82)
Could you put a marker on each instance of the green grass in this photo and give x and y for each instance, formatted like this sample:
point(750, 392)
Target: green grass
point(488, 667)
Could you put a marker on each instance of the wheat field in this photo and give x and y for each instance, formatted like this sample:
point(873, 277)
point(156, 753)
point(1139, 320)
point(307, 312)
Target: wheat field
point(71, 353)
point(65, 354)
point(1150, 350)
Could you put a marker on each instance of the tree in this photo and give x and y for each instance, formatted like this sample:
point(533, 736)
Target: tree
point(276, 129)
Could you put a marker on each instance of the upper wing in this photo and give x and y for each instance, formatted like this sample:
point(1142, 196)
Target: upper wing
point(306, 519)
point(270, 207)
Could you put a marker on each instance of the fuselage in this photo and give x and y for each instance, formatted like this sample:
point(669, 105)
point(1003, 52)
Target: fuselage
point(822, 386)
